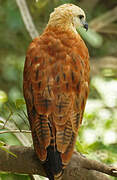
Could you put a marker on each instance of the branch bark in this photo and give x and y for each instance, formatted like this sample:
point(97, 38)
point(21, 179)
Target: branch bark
point(27, 163)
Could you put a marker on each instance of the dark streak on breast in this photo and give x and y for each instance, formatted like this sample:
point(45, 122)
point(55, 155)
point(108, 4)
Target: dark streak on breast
point(80, 72)
point(81, 60)
point(72, 75)
point(77, 86)
point(36, 58)
point(64, 76)
point(31, 90)
point(39, 84)
point(50, 60)
point(37, 73)
point(67, 85)
point(57, 78)
point(33, 112)
point(86, 93)
point(83, 103)
point(74, 60)
point(49, 90)
point(77, 104)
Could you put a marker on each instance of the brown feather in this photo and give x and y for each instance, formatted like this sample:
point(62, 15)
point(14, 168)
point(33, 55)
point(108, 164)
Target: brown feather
point(56, 79)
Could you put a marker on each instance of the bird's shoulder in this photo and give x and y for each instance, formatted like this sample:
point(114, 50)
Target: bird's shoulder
point(54, 46)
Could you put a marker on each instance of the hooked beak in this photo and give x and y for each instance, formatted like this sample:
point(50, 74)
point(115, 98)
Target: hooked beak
point(85, 24)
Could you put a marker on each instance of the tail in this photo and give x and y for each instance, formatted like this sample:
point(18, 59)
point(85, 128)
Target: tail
point(53, 164)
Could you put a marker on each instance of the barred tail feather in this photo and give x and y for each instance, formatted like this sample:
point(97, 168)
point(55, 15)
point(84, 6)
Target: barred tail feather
point(53, 164)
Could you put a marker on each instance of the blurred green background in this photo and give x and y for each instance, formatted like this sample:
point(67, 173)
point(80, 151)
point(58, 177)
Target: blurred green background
point(98, 134)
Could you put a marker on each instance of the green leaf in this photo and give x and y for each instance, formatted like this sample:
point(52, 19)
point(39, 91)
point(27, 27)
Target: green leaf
point(98, 145)
point(80, 148)
point(6, 150)
point(1, 122)
point(2, 143)
point(19, 102)
point(92, 37)
point(2, 146)
point(3, 97)
point(42, 4)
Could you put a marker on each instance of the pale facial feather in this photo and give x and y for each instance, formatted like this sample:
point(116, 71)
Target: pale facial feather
point(67, 16)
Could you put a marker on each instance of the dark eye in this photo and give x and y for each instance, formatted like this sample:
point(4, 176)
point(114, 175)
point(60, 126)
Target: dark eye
point(81, 16)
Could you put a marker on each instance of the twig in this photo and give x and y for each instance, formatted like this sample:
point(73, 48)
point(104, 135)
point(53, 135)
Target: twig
point(25, 140)
point(27, 18)
point(9, 116)
point(23, 119)
point(7, 120)
point(15, 131)
point(98, 166)
point(25, 114)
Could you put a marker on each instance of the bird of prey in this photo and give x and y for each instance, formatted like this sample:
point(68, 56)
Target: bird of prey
point(56, 86)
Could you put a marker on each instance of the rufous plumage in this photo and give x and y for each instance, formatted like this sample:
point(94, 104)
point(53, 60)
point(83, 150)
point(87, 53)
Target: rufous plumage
point(56, 86)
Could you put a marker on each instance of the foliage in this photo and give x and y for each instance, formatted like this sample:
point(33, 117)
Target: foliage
point(98, 134)
point(2, 146)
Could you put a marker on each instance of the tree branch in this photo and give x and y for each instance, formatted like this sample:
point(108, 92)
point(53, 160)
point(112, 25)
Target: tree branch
point(28, 163)
point(27, 18)
point(104, 19)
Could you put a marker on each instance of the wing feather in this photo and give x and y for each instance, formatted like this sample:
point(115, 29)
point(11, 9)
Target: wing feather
point(42, 129)
point(66, 156)
point(63, 136)
point(39, 148)
point(56, 77)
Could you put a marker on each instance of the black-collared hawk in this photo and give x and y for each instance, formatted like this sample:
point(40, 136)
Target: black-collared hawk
point(56, 86)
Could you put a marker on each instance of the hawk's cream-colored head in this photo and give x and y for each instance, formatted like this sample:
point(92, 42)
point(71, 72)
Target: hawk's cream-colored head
point(68, 16)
